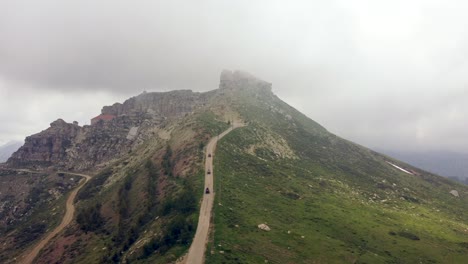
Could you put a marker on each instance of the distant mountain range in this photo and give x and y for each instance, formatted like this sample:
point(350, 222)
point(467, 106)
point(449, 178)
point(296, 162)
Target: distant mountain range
point(449, 164)
point(7, 149)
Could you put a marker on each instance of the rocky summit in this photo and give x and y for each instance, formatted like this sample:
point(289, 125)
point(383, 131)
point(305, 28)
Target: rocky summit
point(283, 188)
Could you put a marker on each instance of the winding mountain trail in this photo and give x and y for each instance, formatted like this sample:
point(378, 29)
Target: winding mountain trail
point(67, 218)
point(196, 253)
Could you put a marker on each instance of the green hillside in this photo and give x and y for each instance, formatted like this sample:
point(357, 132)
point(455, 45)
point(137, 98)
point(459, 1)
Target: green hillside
point(326, 199)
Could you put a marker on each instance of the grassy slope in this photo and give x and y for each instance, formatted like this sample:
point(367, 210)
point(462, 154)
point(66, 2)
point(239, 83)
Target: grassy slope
point(341, 203)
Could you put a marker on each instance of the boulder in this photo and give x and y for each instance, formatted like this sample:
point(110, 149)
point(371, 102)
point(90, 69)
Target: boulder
point(264, 227)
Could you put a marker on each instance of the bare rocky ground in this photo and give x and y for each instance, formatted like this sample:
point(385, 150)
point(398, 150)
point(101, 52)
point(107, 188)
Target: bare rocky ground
point(66, 220)
point(23, 197)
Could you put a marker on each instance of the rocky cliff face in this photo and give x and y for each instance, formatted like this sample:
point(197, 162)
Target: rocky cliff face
point(169, 104)
point(71, 146)
point(46, 147)
point(78, 148)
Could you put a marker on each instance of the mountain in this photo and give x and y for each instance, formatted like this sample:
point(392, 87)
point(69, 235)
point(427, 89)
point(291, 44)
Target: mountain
point(7, 149)
point(286, 189)
point(128, 125)
point(449, 164)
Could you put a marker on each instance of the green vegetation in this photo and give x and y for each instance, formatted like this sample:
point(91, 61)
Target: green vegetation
point(166, 162)
point(185, 203)
point(326, 214)
point(179, 231)
point(325, 199)
point(152, 185)
point(90, 218)
point(334, 202)
point(181, 227)
point(123, 194)
point(210, 123)
point(147, 203)
point(94, 185)
point(31, 232)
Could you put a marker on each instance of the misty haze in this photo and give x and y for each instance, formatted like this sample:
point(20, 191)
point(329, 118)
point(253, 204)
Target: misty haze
point(233, 131)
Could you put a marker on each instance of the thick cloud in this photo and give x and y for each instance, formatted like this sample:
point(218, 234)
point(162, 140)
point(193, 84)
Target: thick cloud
point(387, 74)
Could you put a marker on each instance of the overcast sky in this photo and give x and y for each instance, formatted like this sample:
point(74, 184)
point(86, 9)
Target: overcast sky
point(386, 74)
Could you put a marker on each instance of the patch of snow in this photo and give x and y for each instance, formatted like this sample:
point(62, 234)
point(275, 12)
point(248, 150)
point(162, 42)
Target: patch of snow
point(400, 168)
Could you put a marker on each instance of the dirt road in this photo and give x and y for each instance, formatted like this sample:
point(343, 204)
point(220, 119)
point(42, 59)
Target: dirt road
point(67, 218)
point(196, 254)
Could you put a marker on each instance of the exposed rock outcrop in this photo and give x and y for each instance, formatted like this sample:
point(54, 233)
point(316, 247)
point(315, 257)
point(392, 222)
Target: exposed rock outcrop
point(71, 146)
point(167, 104)
point(78, 148)
point(46, 147)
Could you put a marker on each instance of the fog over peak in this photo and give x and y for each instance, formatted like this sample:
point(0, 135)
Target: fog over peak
point(386, 74)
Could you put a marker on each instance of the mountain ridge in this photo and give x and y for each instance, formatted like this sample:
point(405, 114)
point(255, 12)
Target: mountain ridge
point(63, 143)
point(325, 199)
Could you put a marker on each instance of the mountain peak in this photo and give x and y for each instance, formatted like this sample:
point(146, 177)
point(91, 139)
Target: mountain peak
point(241, 80)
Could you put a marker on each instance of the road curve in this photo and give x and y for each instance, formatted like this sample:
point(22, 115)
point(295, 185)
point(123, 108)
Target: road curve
point(67, 218)
point(196, 253)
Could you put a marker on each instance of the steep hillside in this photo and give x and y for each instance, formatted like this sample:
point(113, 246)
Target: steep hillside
point(323, 199)
point(141, 204)
point(143, 207)
point(30, 204)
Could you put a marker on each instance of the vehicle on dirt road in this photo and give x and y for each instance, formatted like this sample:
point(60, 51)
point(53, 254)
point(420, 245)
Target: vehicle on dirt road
point(207, 190)
point(208, 172)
